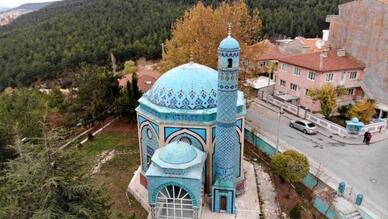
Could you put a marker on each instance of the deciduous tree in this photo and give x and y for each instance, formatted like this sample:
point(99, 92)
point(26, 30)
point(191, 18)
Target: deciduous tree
point(129, 67)
point(364, 110)
point(202, 28)
point(327, 96)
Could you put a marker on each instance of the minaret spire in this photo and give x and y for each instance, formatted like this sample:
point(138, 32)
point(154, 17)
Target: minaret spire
point(191, 59)
point(230, 29)
point(227, 147)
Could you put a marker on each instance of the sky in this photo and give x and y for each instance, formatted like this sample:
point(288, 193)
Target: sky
point(15, 3)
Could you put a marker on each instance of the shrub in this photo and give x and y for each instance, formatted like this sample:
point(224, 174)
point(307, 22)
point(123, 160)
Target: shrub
point(291, 165)
point(342, 110)
point(299, 188)
point(296, 212)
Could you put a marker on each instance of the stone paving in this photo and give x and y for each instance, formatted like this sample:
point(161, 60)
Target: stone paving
point(247, 204)
point(267, 193)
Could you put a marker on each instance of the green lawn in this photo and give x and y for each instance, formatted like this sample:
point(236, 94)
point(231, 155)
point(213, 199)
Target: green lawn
point(107, 141)
point(115, 175)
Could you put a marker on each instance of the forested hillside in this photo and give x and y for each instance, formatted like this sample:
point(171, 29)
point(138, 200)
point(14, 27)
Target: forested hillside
point(44, 43)
point(291, 18)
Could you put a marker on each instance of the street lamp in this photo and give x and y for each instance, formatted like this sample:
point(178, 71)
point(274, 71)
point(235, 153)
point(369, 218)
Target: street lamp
point(281, 111)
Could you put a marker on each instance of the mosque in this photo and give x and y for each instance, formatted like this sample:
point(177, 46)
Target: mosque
point(191, 137)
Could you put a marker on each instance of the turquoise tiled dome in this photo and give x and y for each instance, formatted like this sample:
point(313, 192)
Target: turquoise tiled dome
point(229, 43)
point(189, 86)
point(177, 153)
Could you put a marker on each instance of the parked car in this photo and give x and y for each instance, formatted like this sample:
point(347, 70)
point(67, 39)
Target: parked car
point(305, 126)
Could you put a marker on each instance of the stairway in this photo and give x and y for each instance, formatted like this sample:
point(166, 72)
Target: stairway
point(347, 209)
point(353, 215)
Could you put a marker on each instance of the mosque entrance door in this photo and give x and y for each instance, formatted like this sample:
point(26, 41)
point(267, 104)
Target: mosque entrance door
point(223, 203)
point(174, 202)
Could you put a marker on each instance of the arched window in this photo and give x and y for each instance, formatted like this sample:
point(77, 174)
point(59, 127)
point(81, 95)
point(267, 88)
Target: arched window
point(230, 63)
point(174, 202)
point(186, 140)
point(149, 143)
point(189, 139)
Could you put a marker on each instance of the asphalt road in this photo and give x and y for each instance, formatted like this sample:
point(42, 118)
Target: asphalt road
point(363, 167)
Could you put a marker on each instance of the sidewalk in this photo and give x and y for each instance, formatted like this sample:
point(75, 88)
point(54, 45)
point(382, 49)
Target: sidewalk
point(351, 139)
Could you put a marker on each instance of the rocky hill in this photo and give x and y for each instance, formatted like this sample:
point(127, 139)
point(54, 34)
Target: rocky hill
point(8, 15)
point(3, 9)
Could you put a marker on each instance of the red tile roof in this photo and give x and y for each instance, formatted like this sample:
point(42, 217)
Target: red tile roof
point(145, 79)
point(330, 63)
point(271, 52)
point(311, 43)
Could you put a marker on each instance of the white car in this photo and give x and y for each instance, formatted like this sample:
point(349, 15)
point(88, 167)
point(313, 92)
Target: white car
point(305, 126)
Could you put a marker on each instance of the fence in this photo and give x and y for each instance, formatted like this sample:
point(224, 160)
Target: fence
point(377, 126)
point(332, 127)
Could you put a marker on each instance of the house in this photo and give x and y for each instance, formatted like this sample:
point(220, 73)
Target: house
point(300, 45)
point(261, 86)
point(361, 29)
point(297, 74)
point(267, 60)
point(145, 79)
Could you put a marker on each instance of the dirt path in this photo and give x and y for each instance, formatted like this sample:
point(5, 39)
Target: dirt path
point(267, 193)
point(103, 158)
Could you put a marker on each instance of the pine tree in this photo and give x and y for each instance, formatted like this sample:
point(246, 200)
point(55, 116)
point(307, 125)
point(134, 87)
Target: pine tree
point(45, 183)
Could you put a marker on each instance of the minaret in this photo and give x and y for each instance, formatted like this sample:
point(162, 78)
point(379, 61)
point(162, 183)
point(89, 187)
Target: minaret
point(227, 141)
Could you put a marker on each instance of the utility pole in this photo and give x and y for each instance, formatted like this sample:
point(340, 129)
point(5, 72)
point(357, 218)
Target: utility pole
point(114, 65)
point(162, 51)
point(278, 131)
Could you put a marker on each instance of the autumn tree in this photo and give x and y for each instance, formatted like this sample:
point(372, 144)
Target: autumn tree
point(327, 97)
point(130, 67)
point(202, 28)
point(364, 110)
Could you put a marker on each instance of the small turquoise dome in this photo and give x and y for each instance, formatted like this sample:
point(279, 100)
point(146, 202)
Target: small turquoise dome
point(190, 86)
point(229, 43)
point(177, 153)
